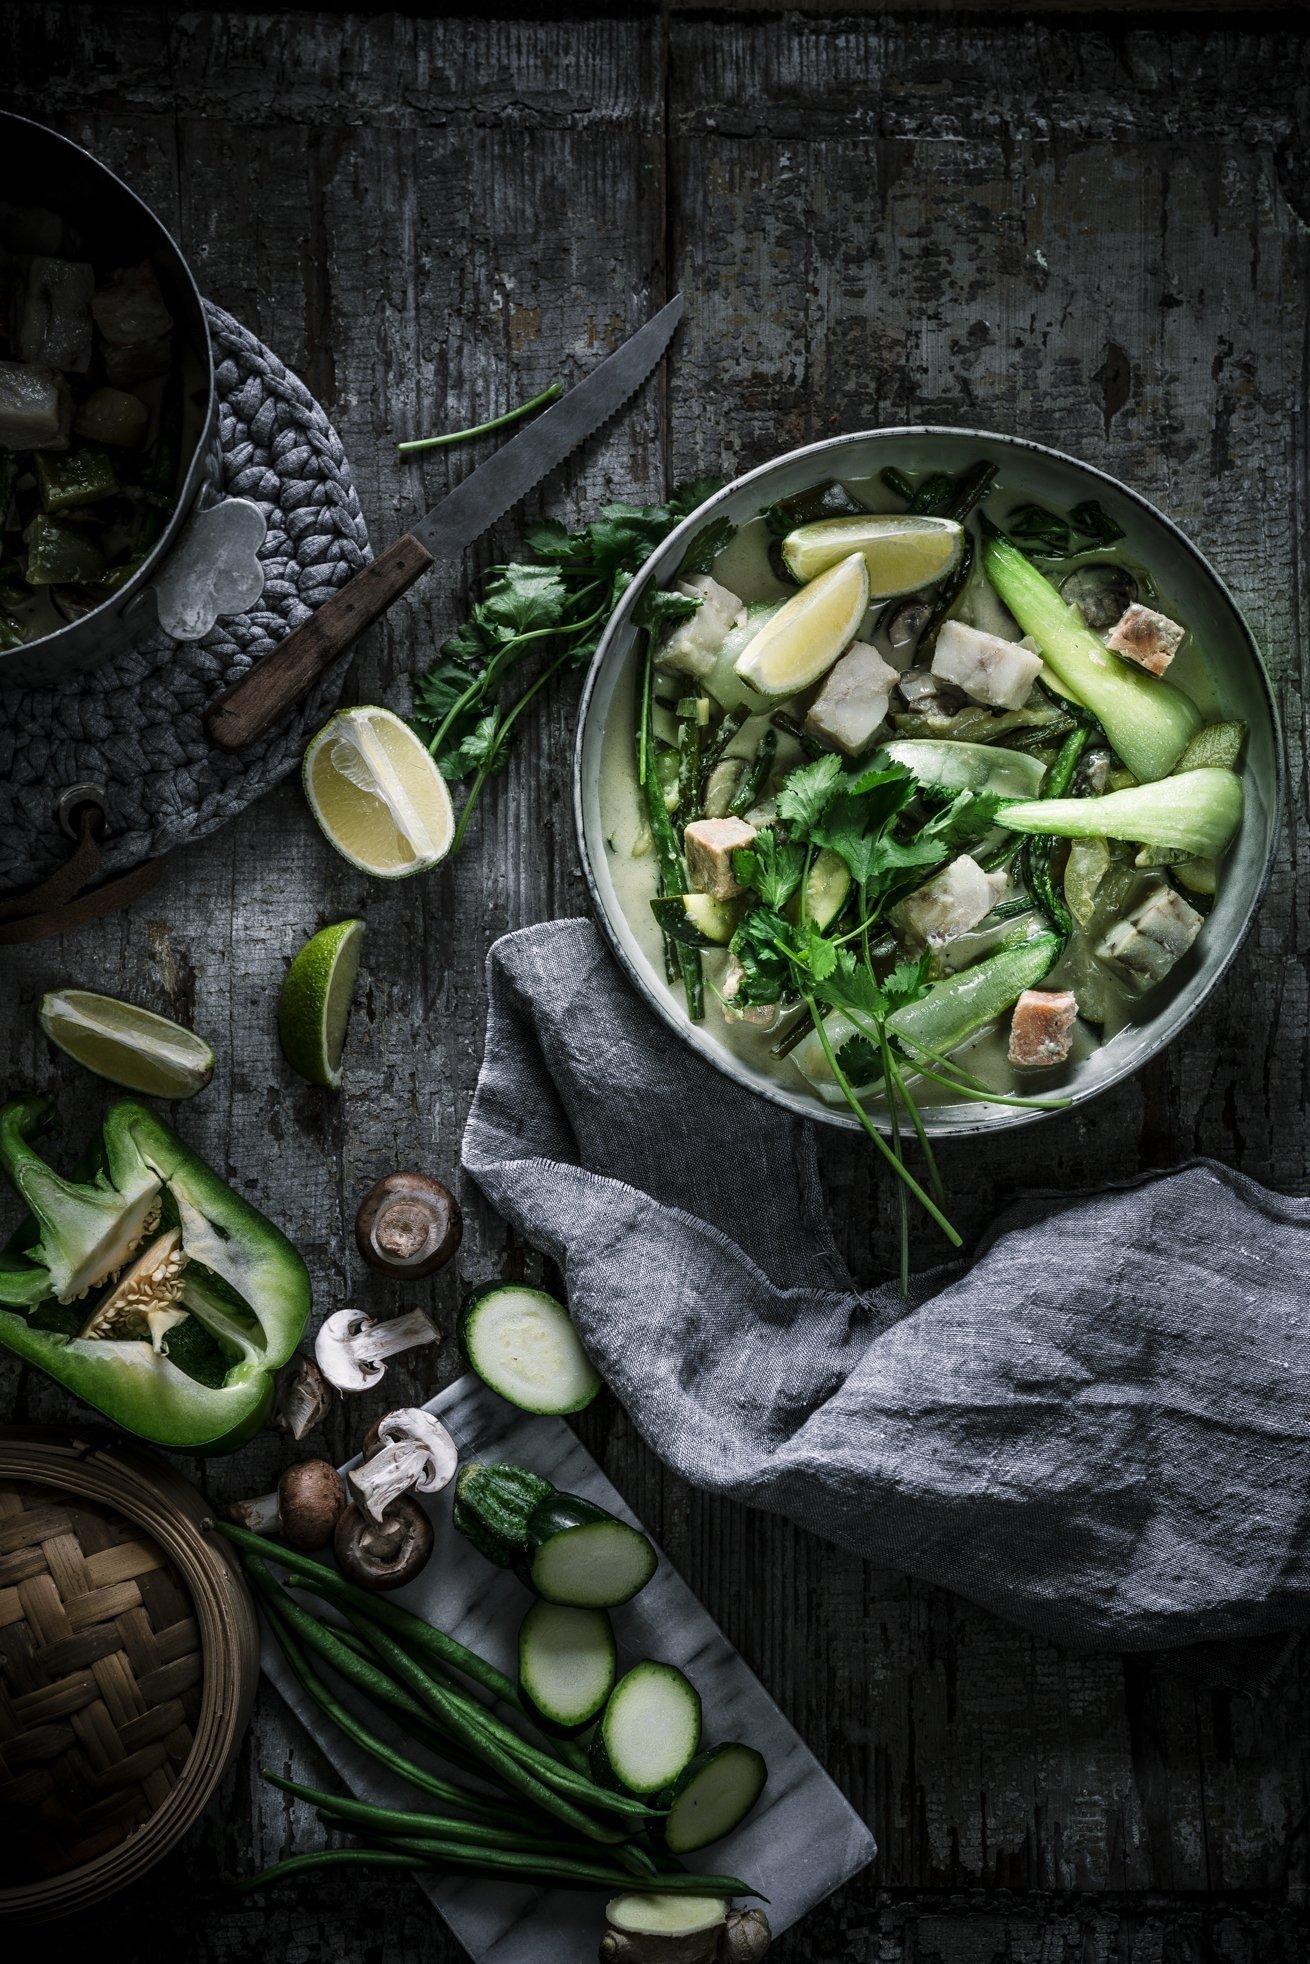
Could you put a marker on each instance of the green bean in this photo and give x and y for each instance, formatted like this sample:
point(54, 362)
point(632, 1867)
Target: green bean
point(404, 1821)
point(330, 1582)
point(571, 1784)
point(509, 1769)
point(932, 496)
point(668, 859)
point(689, 728)
point(1037, 858)
point(897, 483)
point(684, 1882)
point(322, 1858)
point(970, 490)
point(387, 1755)
point(947, 594)
point(756, 775)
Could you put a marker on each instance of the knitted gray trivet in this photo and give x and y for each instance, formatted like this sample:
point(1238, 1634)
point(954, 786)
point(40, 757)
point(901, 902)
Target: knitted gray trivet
point(135, 726)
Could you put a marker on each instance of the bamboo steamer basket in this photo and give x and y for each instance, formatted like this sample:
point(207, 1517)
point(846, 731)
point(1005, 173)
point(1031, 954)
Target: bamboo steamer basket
point(129, 1656)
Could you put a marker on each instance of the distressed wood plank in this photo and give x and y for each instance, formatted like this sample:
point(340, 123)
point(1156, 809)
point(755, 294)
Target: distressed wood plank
point(431, 219)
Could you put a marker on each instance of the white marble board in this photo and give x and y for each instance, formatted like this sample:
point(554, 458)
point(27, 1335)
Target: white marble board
point(802, 1841)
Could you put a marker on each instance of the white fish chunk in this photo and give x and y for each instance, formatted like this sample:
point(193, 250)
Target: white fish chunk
point(36, 409)
point(950, 904)
point(1145, 638)
point(693, 644)
point(851, 707)
point(709, 844)
point(998, 673)
point(1147, 943)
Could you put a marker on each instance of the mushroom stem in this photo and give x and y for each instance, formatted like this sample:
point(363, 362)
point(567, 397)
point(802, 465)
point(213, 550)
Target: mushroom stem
point(408, 1451)
point(258, 1516)
point(351, 1347)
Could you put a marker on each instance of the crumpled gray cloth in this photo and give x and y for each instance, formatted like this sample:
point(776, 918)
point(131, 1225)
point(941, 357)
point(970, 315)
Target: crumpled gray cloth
point(1100, 1428)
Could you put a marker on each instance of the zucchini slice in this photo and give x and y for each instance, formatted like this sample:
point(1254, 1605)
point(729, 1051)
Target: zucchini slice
point(567, 1664)
point(651, 1729)
point(583, 1556)
point(520, 1341)
point(697, 920)
point(714, 1795)
point(826, 888)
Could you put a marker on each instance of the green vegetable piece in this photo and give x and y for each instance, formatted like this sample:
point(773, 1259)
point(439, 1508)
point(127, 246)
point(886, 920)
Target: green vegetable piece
point(113, 416)
point(59, 554)
point(67, 479)
point(581, 1555)
point(493, 1505)
point(954, 1008)
point(1149, 721)
point(1085, 869)
point(714, 1795)
point(696, 920)
point(1195, 813)
point(142, 1242)
point(1218, 744)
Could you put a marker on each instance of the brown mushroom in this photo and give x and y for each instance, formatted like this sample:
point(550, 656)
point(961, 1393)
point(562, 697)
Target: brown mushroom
point(408, 1225)
point(304, 1398)
point(305, 1509)
point(386, 1554)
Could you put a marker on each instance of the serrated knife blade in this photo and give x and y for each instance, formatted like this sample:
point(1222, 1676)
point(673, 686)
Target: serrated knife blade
point(264, 695)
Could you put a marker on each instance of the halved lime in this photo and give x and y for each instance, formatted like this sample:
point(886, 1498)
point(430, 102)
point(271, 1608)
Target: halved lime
point(314, 1007)
point(901, 550)
point(377, 794)
point(803, 639)
point(126, 1044)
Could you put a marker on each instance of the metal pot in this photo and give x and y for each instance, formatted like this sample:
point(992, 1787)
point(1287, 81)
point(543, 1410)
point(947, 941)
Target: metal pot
point(204, 562)
point(1028, 471)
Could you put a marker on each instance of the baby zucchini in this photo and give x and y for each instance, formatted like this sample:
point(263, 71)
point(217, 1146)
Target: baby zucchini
point(567, 1664)
point(712, 1797)
point(582, 1556)
point(650, 1732)
point(520, 1342)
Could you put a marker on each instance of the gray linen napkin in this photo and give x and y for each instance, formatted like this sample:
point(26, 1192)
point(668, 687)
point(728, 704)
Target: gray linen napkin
point(1100, 1429)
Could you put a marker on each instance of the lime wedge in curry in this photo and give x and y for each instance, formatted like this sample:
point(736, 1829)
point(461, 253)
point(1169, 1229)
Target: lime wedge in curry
point(902, 550)
point(803, 639)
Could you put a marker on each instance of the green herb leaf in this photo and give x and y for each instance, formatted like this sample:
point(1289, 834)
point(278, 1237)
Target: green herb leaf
point(523, 600)
point(659, 608)
point(1095, 524)
point(760, 945)
point(772, 867)
point(808, 792)
point(706, 547)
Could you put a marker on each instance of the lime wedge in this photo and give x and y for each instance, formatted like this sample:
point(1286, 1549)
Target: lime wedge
point(314, 1007)
point(126, 1044)
point(901, 550)
point(803, 639)
point(377, 795)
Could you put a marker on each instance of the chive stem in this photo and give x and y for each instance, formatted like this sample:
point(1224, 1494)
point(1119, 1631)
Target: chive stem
point(417, 445)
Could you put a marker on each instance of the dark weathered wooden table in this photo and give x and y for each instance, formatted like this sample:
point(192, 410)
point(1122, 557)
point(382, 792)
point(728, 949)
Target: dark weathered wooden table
point(1092, 232)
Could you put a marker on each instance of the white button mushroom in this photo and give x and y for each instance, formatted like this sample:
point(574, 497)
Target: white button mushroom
point(411, 1452)
point(351, 1347)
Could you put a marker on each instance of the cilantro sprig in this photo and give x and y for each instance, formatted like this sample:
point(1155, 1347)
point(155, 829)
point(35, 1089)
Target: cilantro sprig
point(891, 834)
point(554, 602)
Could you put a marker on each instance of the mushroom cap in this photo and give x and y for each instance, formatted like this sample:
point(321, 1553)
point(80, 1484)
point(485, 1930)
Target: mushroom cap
point(310, 1498)
point(350, 1346)
point(408, 1225)
point(383, 1555)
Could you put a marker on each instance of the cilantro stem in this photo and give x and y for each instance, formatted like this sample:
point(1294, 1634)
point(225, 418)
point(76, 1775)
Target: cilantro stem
point(485, 769)
point(898, 1080)
point(973, 1086)
point(417, 445)
point(901, 1170)
point(902, 1197)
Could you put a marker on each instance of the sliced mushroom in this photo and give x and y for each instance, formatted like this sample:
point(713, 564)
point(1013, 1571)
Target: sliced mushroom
point(408, 1225)
point(408, 1451)
point(309, 1501)
point(386, 1554)
point(351, 1348)
point(304, 1398)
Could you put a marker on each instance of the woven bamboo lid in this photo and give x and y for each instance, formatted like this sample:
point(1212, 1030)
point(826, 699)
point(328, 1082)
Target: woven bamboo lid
point(129, 1655)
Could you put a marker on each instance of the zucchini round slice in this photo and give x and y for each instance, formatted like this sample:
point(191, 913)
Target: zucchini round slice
point(697, 920)
point(583, 1556)
point(567, 1663)
point(520, 1341)
point(651, 1729)
point(715, 1794)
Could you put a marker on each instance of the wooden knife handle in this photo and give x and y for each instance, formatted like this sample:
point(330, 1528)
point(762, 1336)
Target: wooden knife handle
point(252, 706)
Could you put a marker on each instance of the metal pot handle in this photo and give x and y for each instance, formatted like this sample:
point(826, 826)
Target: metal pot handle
point(213, 569)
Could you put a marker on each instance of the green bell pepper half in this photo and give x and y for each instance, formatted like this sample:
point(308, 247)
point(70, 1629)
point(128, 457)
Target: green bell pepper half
point(244, 1286)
